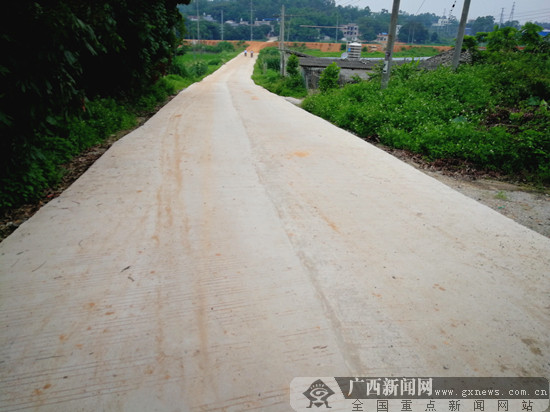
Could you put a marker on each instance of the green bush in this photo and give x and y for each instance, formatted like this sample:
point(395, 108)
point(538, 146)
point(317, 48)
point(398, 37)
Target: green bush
point(329, 78)
point(40, 167)
point(179, 69)
point(493, 115)
point(270, 58)
point(293, 66)
point(225, 46)
point(199, 68)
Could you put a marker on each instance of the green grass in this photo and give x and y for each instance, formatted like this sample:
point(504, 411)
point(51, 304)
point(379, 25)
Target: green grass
point(179, 83)
point(501, 195)
point(194, 66)
point(267, 74)
point(473, 115)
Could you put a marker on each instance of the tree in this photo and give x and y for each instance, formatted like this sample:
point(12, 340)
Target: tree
point(530, 38)
point(482, 36)
point(329, 78)
point(371, 26)
point(413, 32)
point(504, 39)
point(471, 44)
point(482, 24)
point(57, 54)
point(292, 66)
point(294, 79)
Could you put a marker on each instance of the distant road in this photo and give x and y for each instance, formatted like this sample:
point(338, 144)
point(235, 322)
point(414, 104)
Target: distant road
point(235, 242)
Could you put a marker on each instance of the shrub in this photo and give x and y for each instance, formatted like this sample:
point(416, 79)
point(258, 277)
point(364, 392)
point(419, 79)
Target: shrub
point(270, 57)
point(329, 78)
point(492, 116)
point(40, 167)
point(198, 68)
point(225, 46)
point(293, 66)
point(179, 69)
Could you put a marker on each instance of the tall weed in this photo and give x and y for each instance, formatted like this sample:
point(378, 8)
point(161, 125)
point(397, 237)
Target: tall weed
point(468, 114)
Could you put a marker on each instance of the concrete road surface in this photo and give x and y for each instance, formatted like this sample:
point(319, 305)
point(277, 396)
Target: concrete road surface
point(235, 242)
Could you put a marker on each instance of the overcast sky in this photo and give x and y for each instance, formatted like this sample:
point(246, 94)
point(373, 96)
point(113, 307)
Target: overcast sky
point(525, 10)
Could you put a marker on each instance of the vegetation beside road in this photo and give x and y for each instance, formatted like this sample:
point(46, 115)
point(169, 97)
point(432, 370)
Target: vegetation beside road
point(99, 68)
point(267, 73)
point(192, 64)
point(493, 114)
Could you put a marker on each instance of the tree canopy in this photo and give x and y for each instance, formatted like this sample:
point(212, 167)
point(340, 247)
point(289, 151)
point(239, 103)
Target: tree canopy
point(58, 54)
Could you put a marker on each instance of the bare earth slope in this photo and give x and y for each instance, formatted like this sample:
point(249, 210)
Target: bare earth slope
point(234, 242)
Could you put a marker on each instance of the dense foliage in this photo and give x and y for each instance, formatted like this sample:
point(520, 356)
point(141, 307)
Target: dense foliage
point(493, 114)
point(329, 78)
point(267, 73)
point(63, 63)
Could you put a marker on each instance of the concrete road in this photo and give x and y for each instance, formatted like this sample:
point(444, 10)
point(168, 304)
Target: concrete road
point(235, 242)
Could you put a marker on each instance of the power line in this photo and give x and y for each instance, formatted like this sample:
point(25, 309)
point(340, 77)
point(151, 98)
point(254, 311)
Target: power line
point(424, 1)
point(533, 12)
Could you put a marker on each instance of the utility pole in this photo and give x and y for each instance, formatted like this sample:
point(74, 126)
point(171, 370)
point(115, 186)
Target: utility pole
point(389, 46)
point(198, 26)
point(337, 23)
point(251, 22)
point(222, 25)
point(501, 22)
point(460, 36)
point(282, 40)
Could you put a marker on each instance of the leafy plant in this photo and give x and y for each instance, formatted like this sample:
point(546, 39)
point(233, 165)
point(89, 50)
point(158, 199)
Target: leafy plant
point(329, 78)
point(90, 55)
point(199, 68)
point(493, 114)
point(293, 66)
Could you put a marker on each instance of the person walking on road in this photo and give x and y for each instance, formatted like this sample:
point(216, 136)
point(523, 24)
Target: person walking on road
point(251, 53)
point(245, 53)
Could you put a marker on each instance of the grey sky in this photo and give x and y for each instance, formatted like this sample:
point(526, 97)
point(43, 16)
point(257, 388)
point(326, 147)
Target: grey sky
point(525, 10)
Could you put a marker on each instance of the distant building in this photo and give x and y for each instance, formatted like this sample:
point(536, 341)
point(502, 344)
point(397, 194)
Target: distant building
point(264, 22)
point(350, 31)
point(205, 17)
point(382, 37)
point(442, 22)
